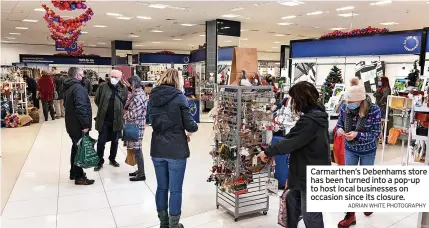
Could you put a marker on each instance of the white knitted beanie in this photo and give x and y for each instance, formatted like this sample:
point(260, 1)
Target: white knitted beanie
point(355, 92)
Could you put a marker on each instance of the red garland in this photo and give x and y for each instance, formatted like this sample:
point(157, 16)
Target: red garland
point(356, 32)
point(166, 53)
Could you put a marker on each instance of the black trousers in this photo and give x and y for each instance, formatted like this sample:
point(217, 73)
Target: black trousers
point(35, 100)
point(75, 171)
point(48, 107)
point(296, 203)
point(107, 134)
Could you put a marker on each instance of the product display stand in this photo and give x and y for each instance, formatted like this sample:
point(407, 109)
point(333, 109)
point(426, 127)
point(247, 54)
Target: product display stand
point(413, 156)
point(243, 126)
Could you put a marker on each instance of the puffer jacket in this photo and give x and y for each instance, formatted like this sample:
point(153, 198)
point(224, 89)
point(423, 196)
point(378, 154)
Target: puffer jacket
point(170, 117)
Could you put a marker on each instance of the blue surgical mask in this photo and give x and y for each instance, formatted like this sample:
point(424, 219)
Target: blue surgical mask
point(352, 106)
point(379, 83)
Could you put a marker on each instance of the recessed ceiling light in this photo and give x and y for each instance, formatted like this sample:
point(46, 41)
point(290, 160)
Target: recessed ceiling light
point(83, 32)
point(114, 14)
point(231, 15)
point(188, 25)
point(244, 39)
point(269, 50)
point(15, 33)
point(236, 9)
point(315, 13)
point(10, 38)
point(335, 29)
point(144, 17)
point(92, 45)
point(156, 42)
point(133, 36)
point(279, 35)
point(291, 3)
point(6, 41)
point(348, 14)
point(289, 17)
point(6, 11)
point(177, 39)
point(158, 6)
point(30, 20)
point(100, 26)
point(124, 18)
point(202, 35)
point(39, 9)
point(101, 43)
point(381, 3)
point(22, 28)
point(389, 23)
point(284, 23)
point(277, 42)
point(243, 30)
point(156, 31)
point(138, 45)
point(228, 41)
point(345, 8)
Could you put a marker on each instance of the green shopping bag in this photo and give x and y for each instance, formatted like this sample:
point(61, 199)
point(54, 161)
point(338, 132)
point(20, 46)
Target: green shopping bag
point(86, 156)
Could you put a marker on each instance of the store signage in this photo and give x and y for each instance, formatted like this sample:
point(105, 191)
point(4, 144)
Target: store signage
point(386, 44)
point(58, 47)
point(224, 54)
point(50, 59)
point(164, 58)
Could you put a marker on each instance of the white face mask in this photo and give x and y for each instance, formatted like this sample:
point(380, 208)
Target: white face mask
point(114, 81)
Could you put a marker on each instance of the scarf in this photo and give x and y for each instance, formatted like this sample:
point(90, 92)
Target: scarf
point(351, 115)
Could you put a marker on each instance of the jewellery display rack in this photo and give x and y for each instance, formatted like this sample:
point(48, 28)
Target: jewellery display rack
point(243, 124)
point(399, 109)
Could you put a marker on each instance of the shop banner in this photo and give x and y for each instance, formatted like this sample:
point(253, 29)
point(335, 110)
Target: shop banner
point(163, 58)
point(50, 59)
point(386, 44)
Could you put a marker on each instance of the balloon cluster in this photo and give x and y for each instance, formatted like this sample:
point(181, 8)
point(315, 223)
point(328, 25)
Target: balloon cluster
point(67, 32)
point(356, 32)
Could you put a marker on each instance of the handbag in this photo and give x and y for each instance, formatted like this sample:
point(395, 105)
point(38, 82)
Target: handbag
point(282, 216)
point(131, 132)
point(131, 158)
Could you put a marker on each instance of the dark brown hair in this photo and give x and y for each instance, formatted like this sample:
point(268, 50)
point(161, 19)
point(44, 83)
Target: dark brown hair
point(304, 97)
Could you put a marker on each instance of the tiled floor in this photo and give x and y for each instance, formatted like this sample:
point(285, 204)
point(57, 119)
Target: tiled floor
point(43, 197)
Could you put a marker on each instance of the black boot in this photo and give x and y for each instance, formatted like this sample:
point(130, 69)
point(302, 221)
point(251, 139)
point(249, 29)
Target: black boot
point(139, 177)
point(133, 174)
point(84, 181)
point(98, 167)
point(114, 163)
point(174, 222)
point(163, 219)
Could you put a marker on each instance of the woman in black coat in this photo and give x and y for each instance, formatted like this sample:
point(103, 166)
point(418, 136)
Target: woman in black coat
point(307, 143)
point(171, 119)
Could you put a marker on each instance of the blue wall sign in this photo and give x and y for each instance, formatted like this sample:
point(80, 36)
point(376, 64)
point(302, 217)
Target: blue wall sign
point(73, 47)
point(51, 59)
point(163, 58)
point(386, 44)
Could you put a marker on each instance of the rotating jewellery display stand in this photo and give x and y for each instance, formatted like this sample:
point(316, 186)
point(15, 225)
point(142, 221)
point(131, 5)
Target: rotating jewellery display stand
point(252, 198)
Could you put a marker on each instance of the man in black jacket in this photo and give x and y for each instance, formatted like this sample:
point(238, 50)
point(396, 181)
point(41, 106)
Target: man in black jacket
point(78, 117)
point(32, 88)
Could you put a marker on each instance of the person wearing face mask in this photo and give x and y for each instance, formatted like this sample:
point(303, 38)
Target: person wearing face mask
point(110, 99)
point(78, 118)
point(383, 91)
point(360, 123)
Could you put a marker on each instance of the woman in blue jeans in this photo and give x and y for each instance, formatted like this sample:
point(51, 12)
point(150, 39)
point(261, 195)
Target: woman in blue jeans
point(360, 123)
point(170, 118)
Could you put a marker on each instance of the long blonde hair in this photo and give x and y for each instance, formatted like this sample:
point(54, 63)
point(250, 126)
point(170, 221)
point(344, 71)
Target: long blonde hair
point(170, 77)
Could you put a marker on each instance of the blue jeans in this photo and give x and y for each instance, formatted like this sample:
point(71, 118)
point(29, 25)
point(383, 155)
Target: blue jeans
point(353, 158)
point(169, 176)
point(103, 135)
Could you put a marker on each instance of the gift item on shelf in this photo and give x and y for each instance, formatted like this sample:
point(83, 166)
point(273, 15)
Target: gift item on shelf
point(16, 93)
point(242, 125)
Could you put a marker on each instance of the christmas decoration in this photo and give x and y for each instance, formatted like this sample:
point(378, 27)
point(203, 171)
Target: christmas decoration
point(65, 33)
point(333, 78)
point(413, 75)
point(356, 32)
point(166, 53)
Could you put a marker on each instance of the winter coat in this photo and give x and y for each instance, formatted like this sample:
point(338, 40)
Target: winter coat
point(32, 84)
point(135, 113)
point(59, 80)
point(170, 116)
point(78, 112)
point(87, 84)
point(307, 143)
point(102, 97)
point(46, 88)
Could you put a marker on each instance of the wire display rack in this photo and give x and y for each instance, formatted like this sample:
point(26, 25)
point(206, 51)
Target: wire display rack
point(243, 124)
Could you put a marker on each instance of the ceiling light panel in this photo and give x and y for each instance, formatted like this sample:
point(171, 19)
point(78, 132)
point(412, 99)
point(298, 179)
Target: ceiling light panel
point(144, 17)
point(92, 45)
point(244, 39)
point(279, 35)
point(14, 33)
point(30, 20)
point(231, 16)
point(202, 35)
point(236, 9)
point(335, 29)
point(389, 23)
point(348, 14)
point(187, 25)
point(156, 31)
point(21, 28)
point(177, 39)
point(156, 42)
point(100, 26)
point(277, 42)
point(138, 45)
point(291, 3)
point(345, 8)
point(39, 9)
point(158, 6)
point(315, 13)
point(83, 32)
point(10, 38)
point(124, 18)
point(114, 14)
point(228, 41)
point(381, 3)
point(133, 36)
point(284, 23)
point(289, 17)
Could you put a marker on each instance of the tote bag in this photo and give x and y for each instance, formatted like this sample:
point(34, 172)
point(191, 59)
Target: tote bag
point(131, 133)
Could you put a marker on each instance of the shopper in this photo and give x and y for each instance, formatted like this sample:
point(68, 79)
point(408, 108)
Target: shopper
point(78, 118)
point(359, 122)
point(32, 88)
point(59, 102)
point(307, 143)
point(46, 89)
point(170, 117)
point(135, 113)
point(110, 98)
point(87, 83)
point(383, 91)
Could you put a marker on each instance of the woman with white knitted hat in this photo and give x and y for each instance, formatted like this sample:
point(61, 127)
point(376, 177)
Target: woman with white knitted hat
point(360, 123)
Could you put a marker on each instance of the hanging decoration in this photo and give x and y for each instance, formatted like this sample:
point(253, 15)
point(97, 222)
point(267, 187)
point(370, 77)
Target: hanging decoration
point(356, 32)
point(166, 53)
point(64, 32)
